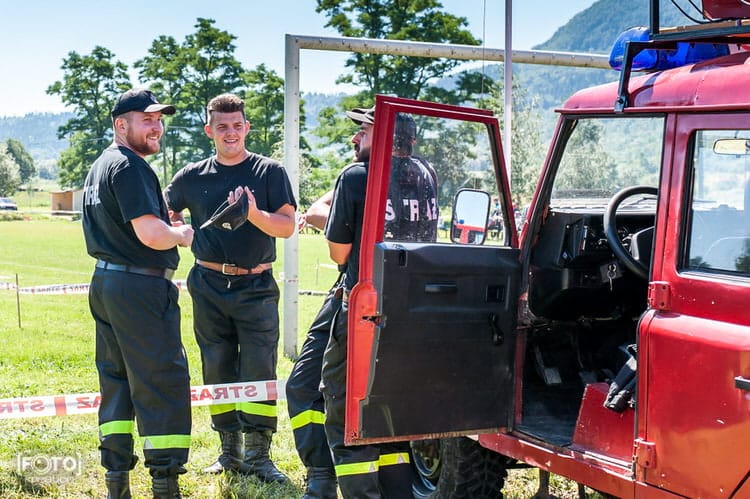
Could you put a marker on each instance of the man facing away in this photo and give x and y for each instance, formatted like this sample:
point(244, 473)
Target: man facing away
point(382, 470)
point(305, 402)
point(235, 297)
point(134, 303)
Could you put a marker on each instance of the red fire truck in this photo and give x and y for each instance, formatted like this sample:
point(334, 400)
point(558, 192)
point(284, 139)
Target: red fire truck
point(609, 342)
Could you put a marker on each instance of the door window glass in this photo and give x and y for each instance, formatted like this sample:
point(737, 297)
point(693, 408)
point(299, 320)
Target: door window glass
point(719, 226)
point(432, 160)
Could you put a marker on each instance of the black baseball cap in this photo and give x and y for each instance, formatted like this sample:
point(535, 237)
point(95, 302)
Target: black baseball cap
point(229, 216)
point(139, 99)
point(361, 115)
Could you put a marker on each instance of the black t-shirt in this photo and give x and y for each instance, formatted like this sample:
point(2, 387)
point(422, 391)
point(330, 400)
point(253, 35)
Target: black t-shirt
point(120, 187)
point(203, 186)
point(411, 211)
point(344, 223)
point(411, 208)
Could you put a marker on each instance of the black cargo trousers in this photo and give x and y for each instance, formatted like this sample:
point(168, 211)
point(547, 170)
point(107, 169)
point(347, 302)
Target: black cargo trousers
point(236, 323)
point(143, 371)
point(363, 471)
point(305, 402)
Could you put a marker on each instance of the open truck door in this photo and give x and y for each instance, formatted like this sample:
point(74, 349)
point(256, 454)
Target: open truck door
point(432, 319)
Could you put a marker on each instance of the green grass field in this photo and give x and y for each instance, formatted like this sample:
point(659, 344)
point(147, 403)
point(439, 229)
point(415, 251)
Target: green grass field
point(53, 353)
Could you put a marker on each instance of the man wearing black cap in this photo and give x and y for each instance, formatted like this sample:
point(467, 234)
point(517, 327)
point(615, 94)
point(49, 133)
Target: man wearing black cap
point(134, 303)
point(235, 297)
point(384, 470)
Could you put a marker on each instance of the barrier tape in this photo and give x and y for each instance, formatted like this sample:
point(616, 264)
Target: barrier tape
point(88, 403)
point(66, 289)
point(79, 289)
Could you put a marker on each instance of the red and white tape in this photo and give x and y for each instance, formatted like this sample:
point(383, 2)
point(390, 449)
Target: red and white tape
point(65, 289)
point(87, 403)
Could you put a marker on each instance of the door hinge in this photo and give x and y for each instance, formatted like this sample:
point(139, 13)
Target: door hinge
point(645, 453)
point(659, 295)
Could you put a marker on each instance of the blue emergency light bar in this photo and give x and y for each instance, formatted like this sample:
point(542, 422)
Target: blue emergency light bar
point(662, 58)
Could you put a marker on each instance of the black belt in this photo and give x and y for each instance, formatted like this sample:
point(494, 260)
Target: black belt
point(132, 269)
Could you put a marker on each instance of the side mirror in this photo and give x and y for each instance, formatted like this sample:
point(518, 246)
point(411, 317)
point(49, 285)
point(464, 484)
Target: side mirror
point(471, 210)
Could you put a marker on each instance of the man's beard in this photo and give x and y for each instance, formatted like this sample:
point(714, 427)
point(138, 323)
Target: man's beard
point(363, 154)
point(144, 147)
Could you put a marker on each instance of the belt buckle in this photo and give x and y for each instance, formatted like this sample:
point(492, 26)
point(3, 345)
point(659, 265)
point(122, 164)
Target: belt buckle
point(225, 266)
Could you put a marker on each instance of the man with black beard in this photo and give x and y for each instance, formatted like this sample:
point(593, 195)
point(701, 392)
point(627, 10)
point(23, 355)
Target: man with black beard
point(383, 470)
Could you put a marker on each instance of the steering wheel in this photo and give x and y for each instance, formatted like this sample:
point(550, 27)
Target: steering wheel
point(634, 260)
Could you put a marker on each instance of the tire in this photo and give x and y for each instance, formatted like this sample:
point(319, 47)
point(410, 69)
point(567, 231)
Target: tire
point(457, 468)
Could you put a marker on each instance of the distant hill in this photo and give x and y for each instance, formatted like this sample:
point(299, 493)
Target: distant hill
point(595, 28)
point(37, 132)
point(592, 30)
point(314, 103)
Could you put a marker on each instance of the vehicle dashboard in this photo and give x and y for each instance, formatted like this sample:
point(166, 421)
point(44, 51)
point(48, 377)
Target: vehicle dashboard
point(573, 272)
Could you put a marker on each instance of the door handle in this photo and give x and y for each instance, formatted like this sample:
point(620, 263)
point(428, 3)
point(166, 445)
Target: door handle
point(742, 383)
point(441, 288)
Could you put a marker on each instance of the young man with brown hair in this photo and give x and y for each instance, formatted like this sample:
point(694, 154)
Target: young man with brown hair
point(234, 293)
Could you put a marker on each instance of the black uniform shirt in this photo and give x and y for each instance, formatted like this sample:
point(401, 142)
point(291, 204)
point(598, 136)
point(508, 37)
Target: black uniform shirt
point(203, 186)
point(411, 212)
point(411, 208)
point(120, 187)
point(344, 225)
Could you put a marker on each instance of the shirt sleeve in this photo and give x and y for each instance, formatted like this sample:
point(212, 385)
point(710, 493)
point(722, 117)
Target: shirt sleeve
point(173, 193)
point(136, 189)
point(340, 225)
point(281, 191)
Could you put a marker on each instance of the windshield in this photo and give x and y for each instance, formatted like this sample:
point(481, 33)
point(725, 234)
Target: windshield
point(604, 155)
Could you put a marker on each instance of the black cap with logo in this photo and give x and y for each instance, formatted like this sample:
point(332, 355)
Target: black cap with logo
point(138, 99)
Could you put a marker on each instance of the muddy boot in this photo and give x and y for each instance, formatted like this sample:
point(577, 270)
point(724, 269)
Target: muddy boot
point(321, 484)
point(118, 484)
point(165, 487)
point(231, 453)
point(257, 462)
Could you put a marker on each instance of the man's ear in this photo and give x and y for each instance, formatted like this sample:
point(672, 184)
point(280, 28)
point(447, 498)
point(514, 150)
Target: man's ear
point(208, 131)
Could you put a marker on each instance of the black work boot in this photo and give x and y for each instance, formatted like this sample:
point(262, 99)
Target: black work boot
point(231, 453)
point(257, 462)
point(165, 487)
point(118, 484)
point(321, 484)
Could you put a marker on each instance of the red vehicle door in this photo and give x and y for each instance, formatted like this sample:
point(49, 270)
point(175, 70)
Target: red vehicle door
point(694, 348)
point(432, 322)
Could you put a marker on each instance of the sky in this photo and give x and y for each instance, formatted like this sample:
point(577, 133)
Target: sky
point(37, 35)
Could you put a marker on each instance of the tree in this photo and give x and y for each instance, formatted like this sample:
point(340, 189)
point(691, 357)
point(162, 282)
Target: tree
point(586, 164)
point(22, 158)
point(264, 108)
point(90, 85)
point(418, 20)
point(191, 74)
point(527, 153)
point(10, 177)
point(405, 76)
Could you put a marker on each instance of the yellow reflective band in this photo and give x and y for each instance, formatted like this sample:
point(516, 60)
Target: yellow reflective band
point(306, 418)
point(257, 409)
point(220, 409)
point(395, 458)
point(116, 427)
point(166, 442)
point(357, 468)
